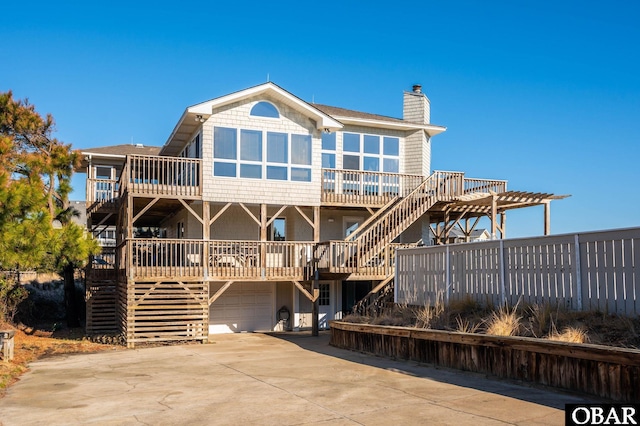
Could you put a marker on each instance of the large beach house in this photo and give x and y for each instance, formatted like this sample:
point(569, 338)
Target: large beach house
point(262, 209)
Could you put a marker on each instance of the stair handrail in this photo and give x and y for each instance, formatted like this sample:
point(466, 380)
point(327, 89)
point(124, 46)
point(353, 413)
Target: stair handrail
point(439, 186)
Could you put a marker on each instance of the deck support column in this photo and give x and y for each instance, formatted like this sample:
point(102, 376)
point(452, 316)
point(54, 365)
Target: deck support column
point(263, 235)
point(206, 237)
point(316, 291)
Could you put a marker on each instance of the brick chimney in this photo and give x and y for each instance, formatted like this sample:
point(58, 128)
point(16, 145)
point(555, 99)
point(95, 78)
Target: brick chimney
point(416, 106)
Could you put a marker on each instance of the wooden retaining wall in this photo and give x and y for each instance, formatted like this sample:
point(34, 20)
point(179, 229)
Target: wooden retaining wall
point(592, 369)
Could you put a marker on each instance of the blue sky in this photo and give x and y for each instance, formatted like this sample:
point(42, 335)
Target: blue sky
point(543, 94)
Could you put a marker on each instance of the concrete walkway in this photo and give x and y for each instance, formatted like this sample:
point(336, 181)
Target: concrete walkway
point(241, 379)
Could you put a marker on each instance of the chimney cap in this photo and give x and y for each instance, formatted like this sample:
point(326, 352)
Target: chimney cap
point(417, 88)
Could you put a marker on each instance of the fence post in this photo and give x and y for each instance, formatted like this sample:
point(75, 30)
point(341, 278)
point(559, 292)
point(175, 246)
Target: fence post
point(503, 289)
point(447, 275)
point(576, 242)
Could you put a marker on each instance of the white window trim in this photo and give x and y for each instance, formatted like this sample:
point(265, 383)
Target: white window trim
point(361, 155)
point(264, 163)
point(262, 117)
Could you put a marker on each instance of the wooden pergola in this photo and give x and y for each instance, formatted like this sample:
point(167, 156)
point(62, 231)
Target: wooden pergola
point(467, 210)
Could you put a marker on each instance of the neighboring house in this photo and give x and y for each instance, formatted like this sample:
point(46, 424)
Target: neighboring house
point(458, 236)
point(223, 227)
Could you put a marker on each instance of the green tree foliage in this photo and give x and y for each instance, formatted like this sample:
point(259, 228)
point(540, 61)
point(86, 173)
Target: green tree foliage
point(35, 177)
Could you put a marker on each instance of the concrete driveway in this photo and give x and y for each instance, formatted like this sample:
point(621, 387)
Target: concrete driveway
point(291, 379)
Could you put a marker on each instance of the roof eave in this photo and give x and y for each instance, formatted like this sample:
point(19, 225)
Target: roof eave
point(202, 111)
point(430, 129)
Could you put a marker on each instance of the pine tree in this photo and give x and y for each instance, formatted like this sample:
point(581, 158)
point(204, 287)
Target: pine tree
point(35, 177)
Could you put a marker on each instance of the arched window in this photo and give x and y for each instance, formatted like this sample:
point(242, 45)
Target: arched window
point(264, 109)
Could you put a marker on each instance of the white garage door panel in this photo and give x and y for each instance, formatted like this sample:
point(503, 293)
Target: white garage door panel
point(243, 307)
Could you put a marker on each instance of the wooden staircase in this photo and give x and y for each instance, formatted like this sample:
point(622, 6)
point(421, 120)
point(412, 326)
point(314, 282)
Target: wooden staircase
point(374, 236)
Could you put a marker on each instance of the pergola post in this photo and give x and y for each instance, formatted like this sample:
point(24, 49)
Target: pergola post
point(494, 223)
point(547, 218)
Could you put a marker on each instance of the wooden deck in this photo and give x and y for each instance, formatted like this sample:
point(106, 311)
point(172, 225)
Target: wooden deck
point(198, 260)
point(152, 176)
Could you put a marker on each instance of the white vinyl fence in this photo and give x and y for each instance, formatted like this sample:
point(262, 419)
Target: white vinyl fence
point(587, 271)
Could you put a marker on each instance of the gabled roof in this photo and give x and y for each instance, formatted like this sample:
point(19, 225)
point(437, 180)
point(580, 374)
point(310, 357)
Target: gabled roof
point(457, 233)
point(115, 152)
point(191, 118)
point(118, 151)
point(348, 116)
point(343, 112)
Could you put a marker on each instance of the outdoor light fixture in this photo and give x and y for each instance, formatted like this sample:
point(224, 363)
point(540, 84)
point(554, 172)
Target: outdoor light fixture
point(200, 118)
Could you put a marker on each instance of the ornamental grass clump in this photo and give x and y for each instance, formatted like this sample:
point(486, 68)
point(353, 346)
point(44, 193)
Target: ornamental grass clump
point(504, 322)
point(464, 325)
point(431, 316)
point(570, 334)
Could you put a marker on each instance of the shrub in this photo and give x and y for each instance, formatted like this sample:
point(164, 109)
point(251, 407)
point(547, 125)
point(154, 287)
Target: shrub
point(11, 295)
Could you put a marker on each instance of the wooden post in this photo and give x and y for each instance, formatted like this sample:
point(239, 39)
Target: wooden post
point(547, 217)
point(263, 222)
point(494, 224)
point(316, 224)
point(206, 237)
point(503, 225)
point(263, 237)
point(316, 291)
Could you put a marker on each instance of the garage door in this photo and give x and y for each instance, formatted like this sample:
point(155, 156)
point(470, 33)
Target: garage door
point(243, 307)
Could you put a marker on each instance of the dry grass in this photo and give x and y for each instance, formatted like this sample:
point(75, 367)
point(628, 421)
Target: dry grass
point(571, 335)
point(431, 316)
point(538, 321)
point(398, 315)
point(464, 325)
point(504, 322)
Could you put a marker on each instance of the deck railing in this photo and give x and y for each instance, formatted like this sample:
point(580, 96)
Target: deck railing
point(160, 257)
point(472, 185)
point(101, 192)
point(384, 263)
point(103, 265)
point(252, 260)
point(340, 257)
point(355, 187)
point(156, 175)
